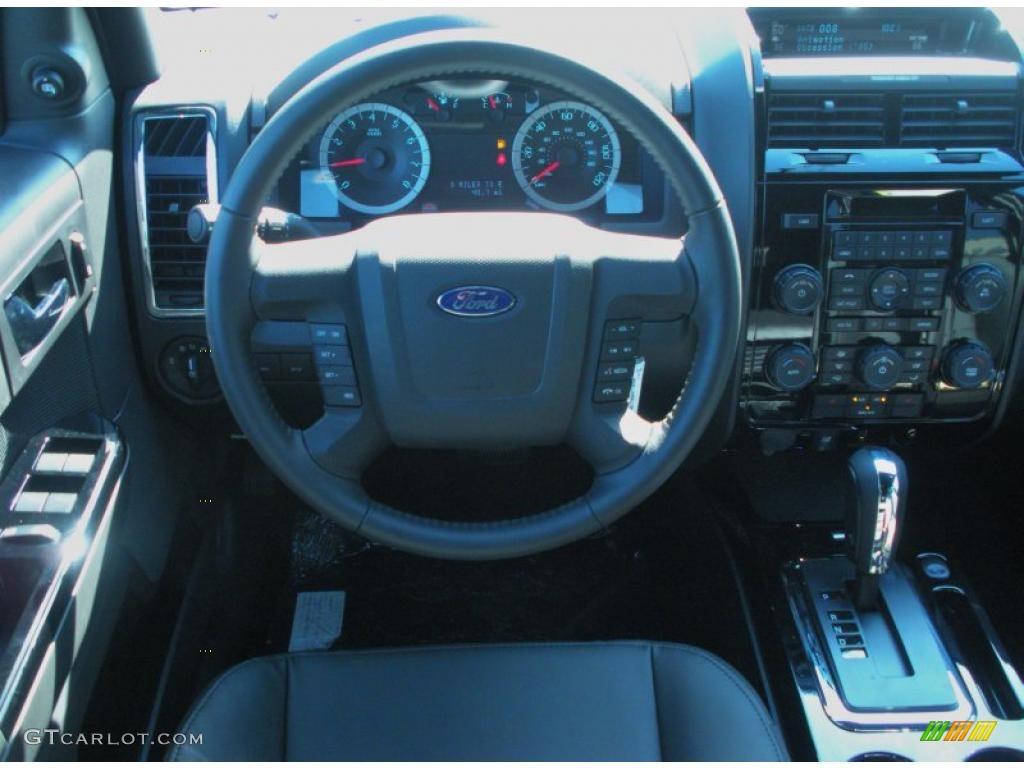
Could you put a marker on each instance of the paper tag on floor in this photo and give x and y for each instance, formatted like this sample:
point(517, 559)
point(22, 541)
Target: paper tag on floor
point(316, 624)
point(637, 383)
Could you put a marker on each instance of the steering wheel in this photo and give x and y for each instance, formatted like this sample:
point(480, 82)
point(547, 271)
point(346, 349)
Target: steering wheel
point(429, 378)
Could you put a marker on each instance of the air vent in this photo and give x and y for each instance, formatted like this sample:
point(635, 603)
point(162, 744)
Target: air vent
point(176, 263)
point(950, 120)
point(176, 136)
point(813, 120)
point(176, 170)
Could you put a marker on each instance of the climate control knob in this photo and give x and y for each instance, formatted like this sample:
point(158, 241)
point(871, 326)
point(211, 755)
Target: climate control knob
point(980, 288)
point(967, 365)
point(798, 289)
point(889, 289)
point(790, 368)
point(879, 367)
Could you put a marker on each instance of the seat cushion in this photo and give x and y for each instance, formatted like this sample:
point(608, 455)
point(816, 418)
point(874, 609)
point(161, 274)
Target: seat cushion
point(586, 701)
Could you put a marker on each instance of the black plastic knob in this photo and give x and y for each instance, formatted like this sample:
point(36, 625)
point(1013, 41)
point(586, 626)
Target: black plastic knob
point(790, 368)
point(879, 367)
point(798, 289)
point(889, 290)
point(980, 288)
point(967, 365)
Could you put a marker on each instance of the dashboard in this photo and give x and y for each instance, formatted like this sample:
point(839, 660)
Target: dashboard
point(468, 145)
point(871, 161)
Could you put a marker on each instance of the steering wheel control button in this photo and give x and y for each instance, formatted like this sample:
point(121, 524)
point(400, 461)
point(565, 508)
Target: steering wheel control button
point(297, 367)
point(337, 374)
point(615, 330)
point(342, 395)
point(321, 333)
point(968, 365)
point(980, 289)
point(615, 371)
point(790, 368)
point(619, 350)
point(329, 354)
point(798, 289)
point(268, 365)
point(611, 392)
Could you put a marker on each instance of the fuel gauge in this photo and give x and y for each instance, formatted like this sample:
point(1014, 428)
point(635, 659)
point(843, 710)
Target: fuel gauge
point(497, 105)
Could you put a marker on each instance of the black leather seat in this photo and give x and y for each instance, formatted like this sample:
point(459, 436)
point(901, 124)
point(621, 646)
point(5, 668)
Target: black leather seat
point(587, 701)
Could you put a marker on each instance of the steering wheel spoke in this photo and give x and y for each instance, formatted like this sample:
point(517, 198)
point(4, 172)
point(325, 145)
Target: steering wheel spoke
point(345, 441)
point(301, 278)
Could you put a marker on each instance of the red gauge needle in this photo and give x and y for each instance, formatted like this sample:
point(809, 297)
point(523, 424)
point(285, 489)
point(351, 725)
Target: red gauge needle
point(347, 163)
point(433, 104)
point(493, 102)
point(546, 172)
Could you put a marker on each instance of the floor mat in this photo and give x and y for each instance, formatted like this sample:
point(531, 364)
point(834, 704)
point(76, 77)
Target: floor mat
point(661, 573)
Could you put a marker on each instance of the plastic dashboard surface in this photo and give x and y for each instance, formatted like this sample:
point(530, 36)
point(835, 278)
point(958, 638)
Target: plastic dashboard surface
point(472, 145)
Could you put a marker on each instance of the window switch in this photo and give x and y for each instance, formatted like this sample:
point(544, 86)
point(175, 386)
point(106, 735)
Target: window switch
point(30, 501)
point(60, 503)
point(50, 462)
point(78, 463)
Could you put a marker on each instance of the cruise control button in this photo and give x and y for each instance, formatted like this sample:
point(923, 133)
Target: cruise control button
point(297, 367)
point(337, 374)
point(332, 355)
point(268, 365)
point(323, 333)
point(344, 396)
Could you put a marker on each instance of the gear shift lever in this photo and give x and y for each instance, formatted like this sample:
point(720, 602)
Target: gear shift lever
point(875, 517)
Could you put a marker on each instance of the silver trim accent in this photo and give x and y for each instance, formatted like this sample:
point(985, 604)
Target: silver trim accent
point(886, 517)
point(138, 147)
point(825, 694)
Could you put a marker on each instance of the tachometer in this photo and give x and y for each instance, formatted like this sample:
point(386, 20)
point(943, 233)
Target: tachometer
point(566, 155)
point(378, 157)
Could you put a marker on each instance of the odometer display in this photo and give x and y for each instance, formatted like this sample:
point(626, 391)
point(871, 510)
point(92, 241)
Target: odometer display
point(566, 155)
point(378, 157)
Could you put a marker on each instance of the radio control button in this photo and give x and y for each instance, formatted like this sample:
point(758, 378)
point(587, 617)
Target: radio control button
point(844, 238)
point(873, 323)
point(930, 302)
point(846, 303)
point(922, 324)
point(889, 289)
point(798, 289)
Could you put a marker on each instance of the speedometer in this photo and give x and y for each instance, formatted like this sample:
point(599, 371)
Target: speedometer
point(566, 155)
point(377, 156)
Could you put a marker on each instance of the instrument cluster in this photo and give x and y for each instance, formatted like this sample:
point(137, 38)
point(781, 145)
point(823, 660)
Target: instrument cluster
point(467, 145)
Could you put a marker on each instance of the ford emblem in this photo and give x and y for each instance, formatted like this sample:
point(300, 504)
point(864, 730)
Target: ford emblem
point(476, 301)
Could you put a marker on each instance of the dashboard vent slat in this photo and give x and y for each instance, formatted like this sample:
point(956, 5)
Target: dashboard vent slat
point(813, 120)
point(176, 136)
point(176, 171)
point(955, 120)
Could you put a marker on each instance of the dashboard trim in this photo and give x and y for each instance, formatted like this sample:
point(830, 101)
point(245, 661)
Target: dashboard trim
point(138, 155)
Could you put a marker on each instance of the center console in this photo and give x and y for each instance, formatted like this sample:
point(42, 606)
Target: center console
point(886, 290)
point(883, 303)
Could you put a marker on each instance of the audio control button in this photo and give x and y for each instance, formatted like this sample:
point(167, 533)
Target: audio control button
point(889, 289)
point(798, 289)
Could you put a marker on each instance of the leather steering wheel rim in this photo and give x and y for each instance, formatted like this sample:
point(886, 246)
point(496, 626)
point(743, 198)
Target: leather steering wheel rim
point(709, 252)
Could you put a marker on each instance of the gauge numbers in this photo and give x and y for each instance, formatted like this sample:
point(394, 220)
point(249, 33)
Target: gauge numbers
point(566, 155)
point(377, 156)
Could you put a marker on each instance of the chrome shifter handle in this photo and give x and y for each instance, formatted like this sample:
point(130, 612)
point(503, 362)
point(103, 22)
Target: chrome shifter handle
point(874, 518)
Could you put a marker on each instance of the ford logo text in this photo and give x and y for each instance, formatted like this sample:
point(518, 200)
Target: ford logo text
point(476, 301)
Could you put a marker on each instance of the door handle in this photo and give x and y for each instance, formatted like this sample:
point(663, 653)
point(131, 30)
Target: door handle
point(29, 323)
